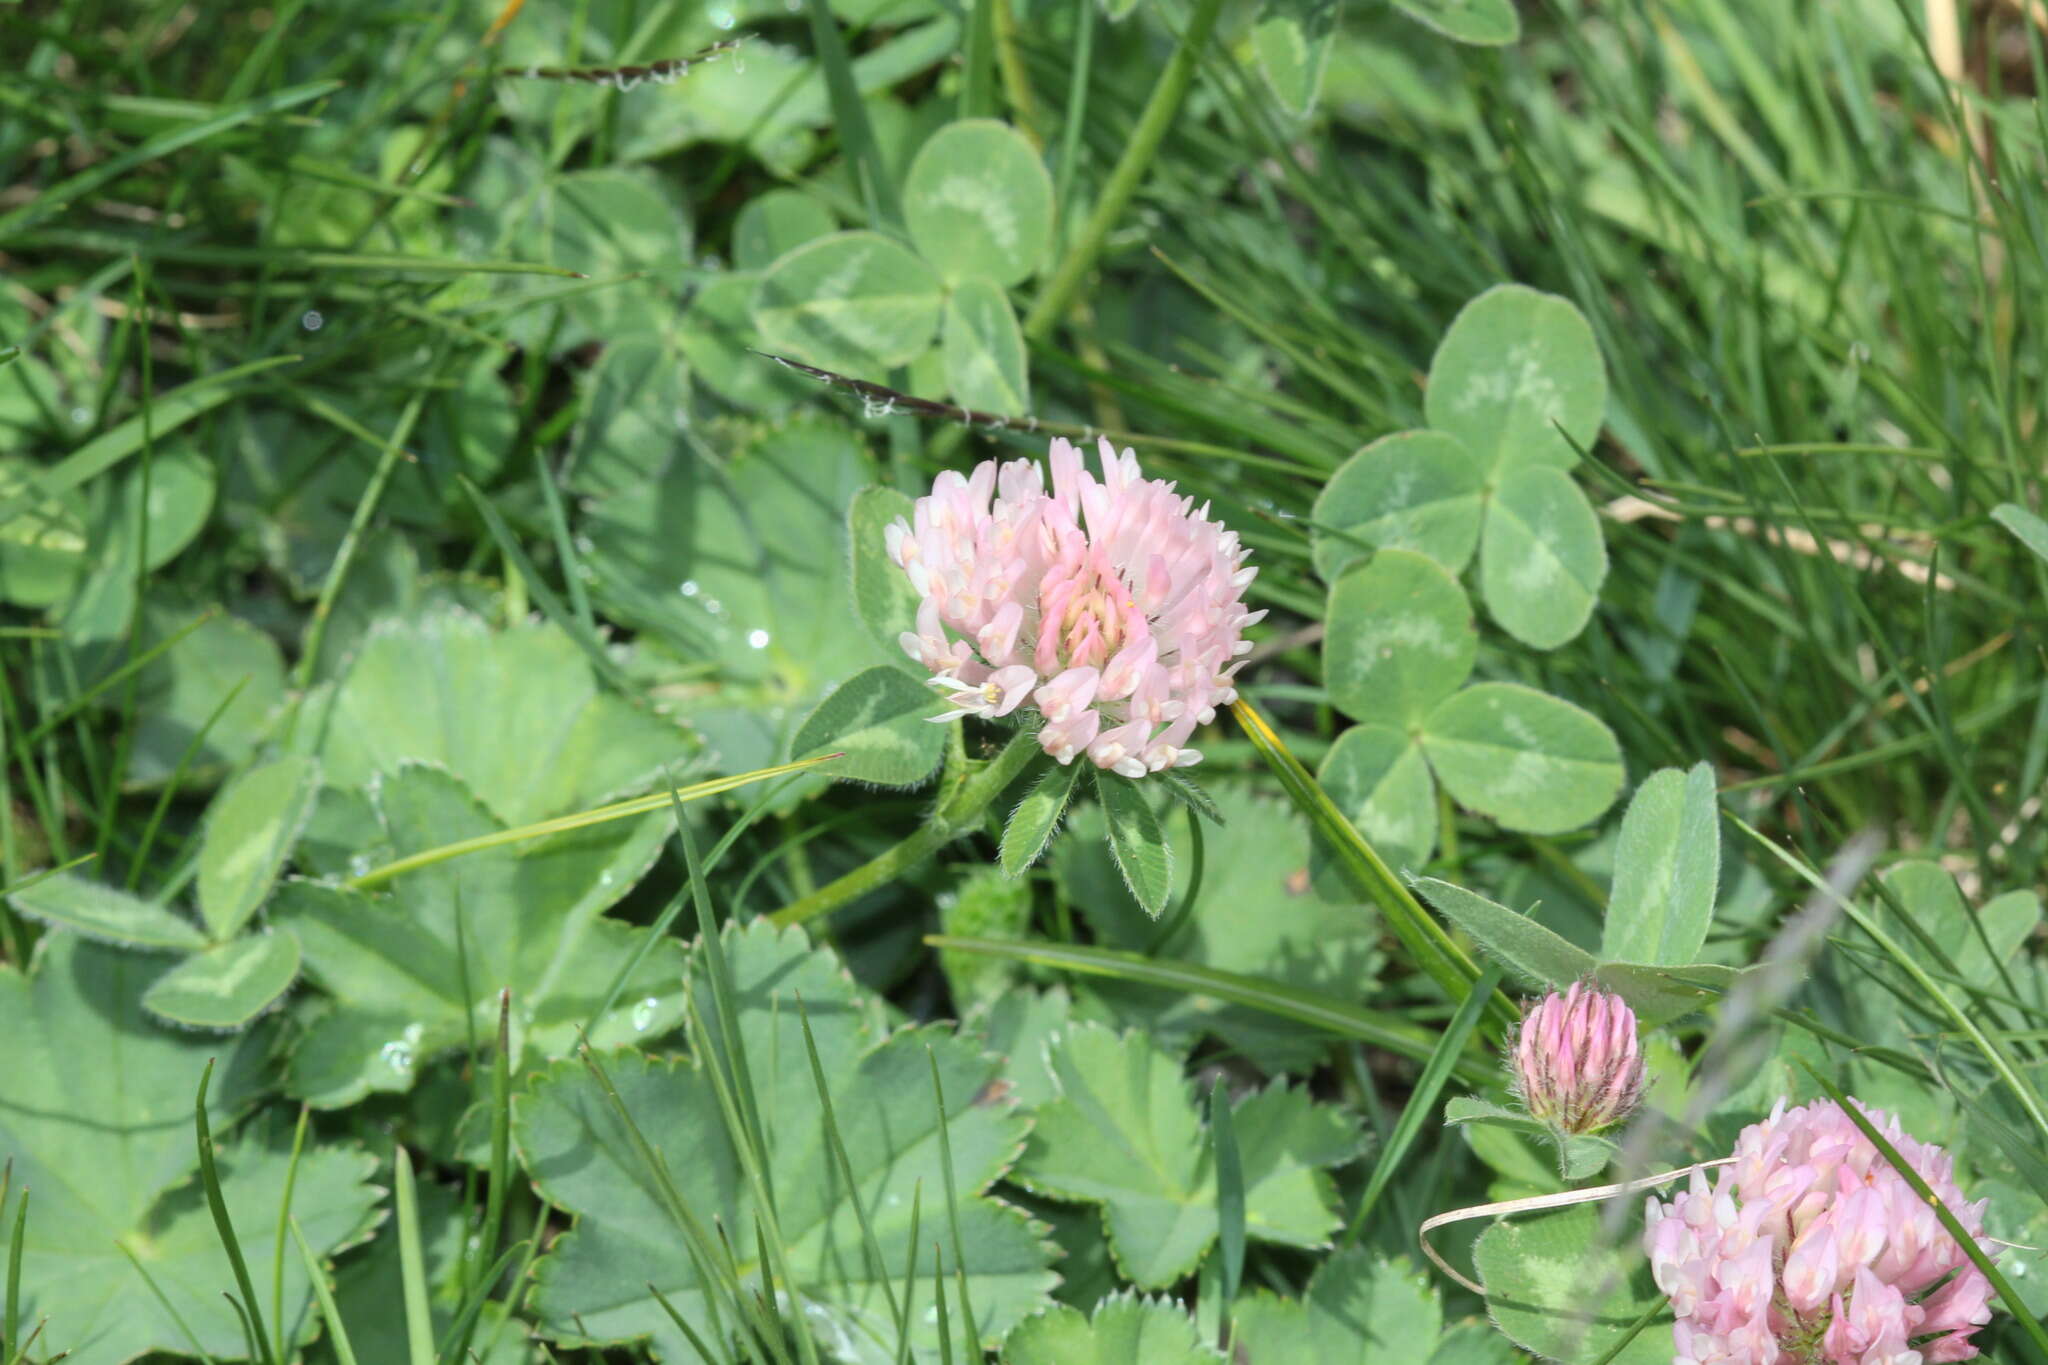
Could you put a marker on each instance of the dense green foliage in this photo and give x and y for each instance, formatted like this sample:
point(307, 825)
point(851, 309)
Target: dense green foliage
point(1635, 412)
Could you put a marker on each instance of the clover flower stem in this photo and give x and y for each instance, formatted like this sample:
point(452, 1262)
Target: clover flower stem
point(963, 799)
point(1058, 295)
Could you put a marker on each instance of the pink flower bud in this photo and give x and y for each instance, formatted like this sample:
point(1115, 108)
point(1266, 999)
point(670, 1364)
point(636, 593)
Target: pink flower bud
point(1575, 1060)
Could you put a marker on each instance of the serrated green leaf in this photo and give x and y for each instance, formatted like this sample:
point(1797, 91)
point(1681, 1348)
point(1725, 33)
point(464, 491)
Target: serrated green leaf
point(1541, 558)
point(1124, 1133)
point(108, 1150)
point(1125, 1330)
point(1667, 869)
point(1538, 955)
point(250, 829)
point(1413, 490)
point(516, 715)
point(418, 971)
point(1526, 759)
point(1037, 816)
point(1400, 639)
point(984, 350)
point(227, 985)
point(96, 910)
point(589, 1285)
point(1358, 1307)
point(1489, 23)
point(882, 592)
point(881, 719)
point(1380, 780)
point(1558, 1285)
point(1136, 840)
point(855, 303)
point(1514, 368)
point(986, 904)
point(978, 202)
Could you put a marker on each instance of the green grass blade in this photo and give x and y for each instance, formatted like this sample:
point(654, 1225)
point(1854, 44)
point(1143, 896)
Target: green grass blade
point(330, 1313)
point(1421, 1107)
point(209, 1177)
point(1325, 1012)
point(412, 1263)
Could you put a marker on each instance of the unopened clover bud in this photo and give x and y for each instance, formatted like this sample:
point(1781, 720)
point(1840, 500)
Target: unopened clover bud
point(1575, 1060)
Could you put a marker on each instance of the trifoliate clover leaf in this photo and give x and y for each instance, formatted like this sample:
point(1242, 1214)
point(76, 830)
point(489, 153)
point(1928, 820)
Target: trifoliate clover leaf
point(1126, 1330)
point(1124, 1133)
point(98, 1124)
point(418, 970)
point(590, 1287)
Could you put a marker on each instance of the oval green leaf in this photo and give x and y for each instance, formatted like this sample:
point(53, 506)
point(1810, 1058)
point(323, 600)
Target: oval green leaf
point(1487, 23)
point(1414, 490)
point(1400, 638)
point(227, 985)
point(880, 718)
point(854, 302)
point(1515, 366)
point(1037, 817)
point(776, 223)
point(1667, 867)
point(250, 830)
point(984, 351)
point(1292, 44)
point(1378, 777)
point(1524, 758)
point(978, 201)
point(882, 593)
point(719, 340)
point(97, 910)
point(1136, 841)
point(1542, 558)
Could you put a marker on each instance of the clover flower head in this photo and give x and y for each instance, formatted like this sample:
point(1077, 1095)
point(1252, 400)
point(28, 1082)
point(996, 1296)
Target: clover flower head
point(1111, 606)
point(1811, 1249)
point(1575, 1060)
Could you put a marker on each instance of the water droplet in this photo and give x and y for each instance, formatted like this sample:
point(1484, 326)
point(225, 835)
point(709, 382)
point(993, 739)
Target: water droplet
point(757, 638)
point(398, 1056)
point(721, 17)
point(643, 1014)
point(689, 588)
point(311, 320)
point(714, 606)
point(604, 878)
point(359, 865)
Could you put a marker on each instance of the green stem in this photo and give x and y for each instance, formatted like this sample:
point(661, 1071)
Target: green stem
point(1059, 293)
point(962, 802)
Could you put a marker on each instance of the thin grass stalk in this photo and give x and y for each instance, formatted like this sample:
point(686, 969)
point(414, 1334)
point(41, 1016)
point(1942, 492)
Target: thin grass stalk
point(209, 1177)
